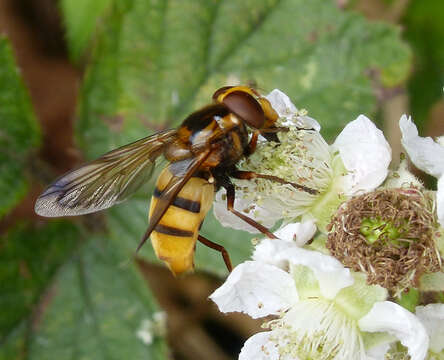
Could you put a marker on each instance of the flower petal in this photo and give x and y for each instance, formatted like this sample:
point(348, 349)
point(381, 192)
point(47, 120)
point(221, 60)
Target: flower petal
point(432, 317)
point(256, 289)
point(330, 273)
point(386, 316)
point(228, 219)
point(440, 200)
point(268, 251)
point(402, 177)
point(299, 232)
point(282, 104)
point(259, 347)
point(378, 352)
point(425, 153)
point(365, 153)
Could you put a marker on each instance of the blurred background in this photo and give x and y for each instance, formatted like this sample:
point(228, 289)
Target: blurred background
point(79, 78)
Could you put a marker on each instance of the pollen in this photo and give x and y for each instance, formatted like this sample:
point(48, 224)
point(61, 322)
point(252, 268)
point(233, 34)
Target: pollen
point(300, 157)
point(387, 234)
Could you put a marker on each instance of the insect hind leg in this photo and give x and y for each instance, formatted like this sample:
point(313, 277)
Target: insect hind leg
point(217, 247)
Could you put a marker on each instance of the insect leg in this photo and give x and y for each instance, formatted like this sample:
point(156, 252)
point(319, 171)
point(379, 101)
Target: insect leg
point(252, 144)
point(219, 248)
point(275, 129)
point(230, 206)
point(248, 175)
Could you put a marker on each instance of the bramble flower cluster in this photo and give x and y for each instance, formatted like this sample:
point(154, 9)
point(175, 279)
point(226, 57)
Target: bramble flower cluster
point(357, 269)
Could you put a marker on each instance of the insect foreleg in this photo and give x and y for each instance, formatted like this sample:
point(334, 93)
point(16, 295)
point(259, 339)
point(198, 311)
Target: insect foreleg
point(248, 175)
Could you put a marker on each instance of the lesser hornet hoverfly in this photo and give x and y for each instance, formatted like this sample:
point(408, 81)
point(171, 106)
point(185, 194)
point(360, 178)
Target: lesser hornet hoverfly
point(202, 154)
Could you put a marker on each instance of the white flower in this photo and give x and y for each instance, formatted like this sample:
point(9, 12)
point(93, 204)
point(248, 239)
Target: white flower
point(320, 309)
point(357, 162)
point(432, 317)
point(427, 155)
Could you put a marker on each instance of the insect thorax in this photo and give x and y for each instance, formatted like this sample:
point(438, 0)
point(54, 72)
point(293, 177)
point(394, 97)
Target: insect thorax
point(212, 127)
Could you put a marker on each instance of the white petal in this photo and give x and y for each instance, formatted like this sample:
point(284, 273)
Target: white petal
point(330, 273)
point(365, 154)
point(259, 347)
point(228, 219)
point(440, 200)
point(306, 122)
point(425, 153)
point(269, 251)
point(256, 289)
point(299, 232)
point(378, 352)
point(282, 104)
point(403, 177)
point(432, 317)
point(386, 316)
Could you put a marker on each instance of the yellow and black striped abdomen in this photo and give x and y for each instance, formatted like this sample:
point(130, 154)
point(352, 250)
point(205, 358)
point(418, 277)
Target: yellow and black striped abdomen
point(174, 237)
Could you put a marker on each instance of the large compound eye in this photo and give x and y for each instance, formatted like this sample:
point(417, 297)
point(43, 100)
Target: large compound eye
point(246, 107)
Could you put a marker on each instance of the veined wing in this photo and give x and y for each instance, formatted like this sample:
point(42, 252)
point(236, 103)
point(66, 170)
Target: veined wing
point(183, 171)
point(106, 181)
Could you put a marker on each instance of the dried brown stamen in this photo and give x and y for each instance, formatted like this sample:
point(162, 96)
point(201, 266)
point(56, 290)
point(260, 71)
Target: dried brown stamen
point(397, 246)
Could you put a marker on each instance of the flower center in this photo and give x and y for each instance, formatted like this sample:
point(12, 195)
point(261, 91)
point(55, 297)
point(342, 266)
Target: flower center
point(387, 234)
point(316, 329)
point(301, 156)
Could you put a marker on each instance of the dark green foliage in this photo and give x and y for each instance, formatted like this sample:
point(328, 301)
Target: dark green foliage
point(19, 132)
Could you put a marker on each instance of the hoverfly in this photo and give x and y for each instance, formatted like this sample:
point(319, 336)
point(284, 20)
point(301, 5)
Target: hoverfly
point(202, 154)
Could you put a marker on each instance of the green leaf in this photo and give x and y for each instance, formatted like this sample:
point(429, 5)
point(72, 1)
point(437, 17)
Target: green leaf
point(94, 309)
point(80, 18)
point(13, 347)
point(97, 306)
point(19, 132)
point(30, 256)
point(425, 32)
point(156, 61)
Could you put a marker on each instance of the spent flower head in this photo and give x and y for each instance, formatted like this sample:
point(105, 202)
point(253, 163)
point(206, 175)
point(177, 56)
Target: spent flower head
point(389, 235)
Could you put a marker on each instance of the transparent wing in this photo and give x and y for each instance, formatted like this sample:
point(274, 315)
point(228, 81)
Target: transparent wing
point(106, 181)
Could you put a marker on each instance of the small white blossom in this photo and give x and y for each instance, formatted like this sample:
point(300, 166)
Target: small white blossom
point(152, 327)
point(321, 309)
point(427, 155)
point(357, 162)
